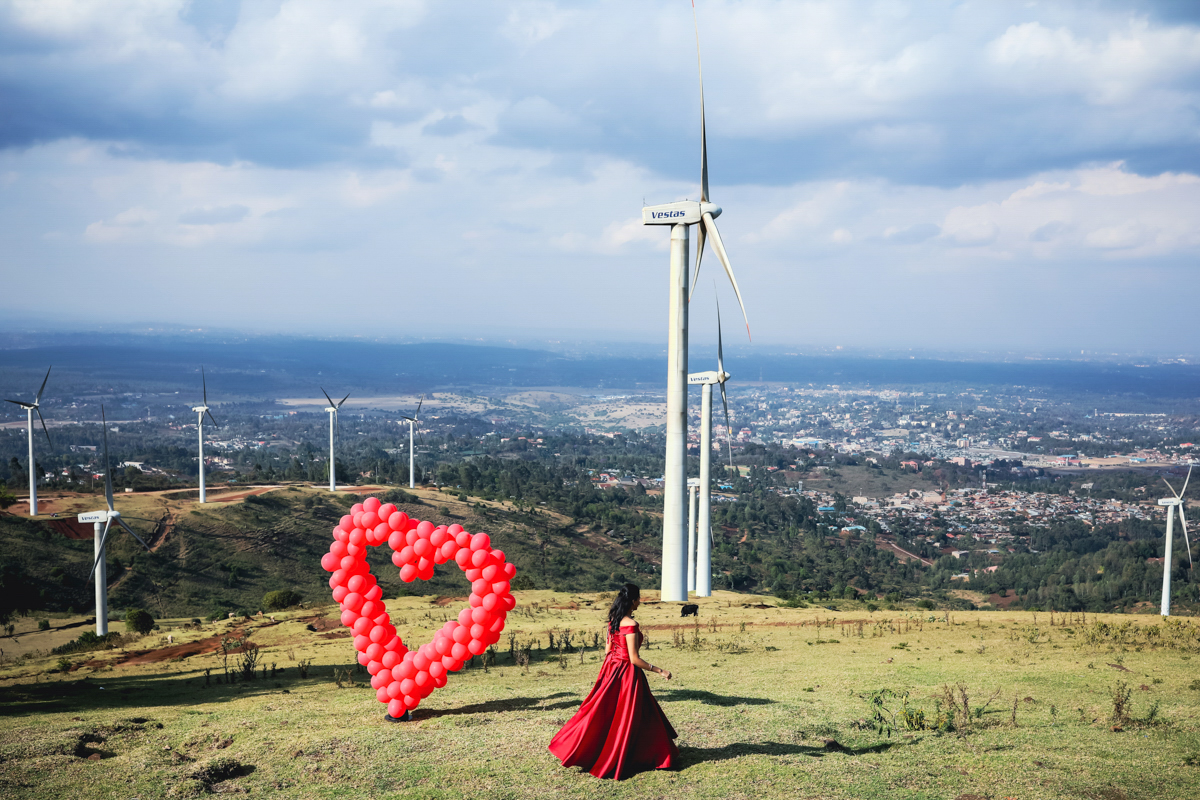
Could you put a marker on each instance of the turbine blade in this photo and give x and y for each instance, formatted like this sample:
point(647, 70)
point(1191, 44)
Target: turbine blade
point(344, 399)
point(210, 416)
point(1183, 521)
point(108, 495)
point(327, 397)
point(720, 350)
point(719, 247)
point(699, 255)
point(129, 530)
point(728, 427)
point(703, 142)
point(1183, 491)
point(38, 399)
point(419, 402)
point(204, 385)
point(1172, 488)
point(43, 419)
point(103, 541)
point(21, 403)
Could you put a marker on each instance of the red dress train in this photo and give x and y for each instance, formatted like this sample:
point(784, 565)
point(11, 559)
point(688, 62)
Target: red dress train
point(620, 729)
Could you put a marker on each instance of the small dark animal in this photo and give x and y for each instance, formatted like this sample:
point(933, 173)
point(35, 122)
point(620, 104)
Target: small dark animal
point(690, 610)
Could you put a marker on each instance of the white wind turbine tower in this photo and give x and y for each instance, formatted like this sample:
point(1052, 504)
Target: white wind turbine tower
point(201, 410)
point(332, 410)
point(107, 517)
point(412, 480)
point(680, 215)
point(700, 549)
point(1172, 503)
point(30, 409)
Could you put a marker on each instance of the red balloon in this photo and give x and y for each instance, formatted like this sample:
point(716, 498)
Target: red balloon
point(489, 601)
point(463, 538)
point(426, 573)
point(360, 644)
point(339, 593)
point(480, 615)
point(337, 549)
point(349, 617)
point(394, 691)
point(463, 557)
point(437, 538)
point(362, 659)
point(378, 635)
point(411, 702)
point(356, 550)
point(408, 554)
point(481, 541)
point(449, 549)
point(356, 509)
point(455, 529)
point(368, 520)
point(407, 573)
point(477, 632)
point(330, 562)
point(440, 681)
point(339, 577)
point(459, 651)
point(488, 573)
point(500, 587)
point(349, 562)
point(353, 601)
point(473, 574)
point(509, 602)
point(396, 709)
point(398, 521)
point(422, 548)
point(462, 635)
point(346, 522)
point(510, 571)
point(374, 593)
point(371, 609)
point(479, 558)
point(436, 670)
point(374, 668)
point(397, 541)
point(390, 659)
point(371, 504)
point(374, 651)
point(476, 647)
point(474, 601)
point(407, 686)
point(404, 670)
point(363, 625)
point(498, 556)
point(421, 678)
point(424, 529)
point(381, 693)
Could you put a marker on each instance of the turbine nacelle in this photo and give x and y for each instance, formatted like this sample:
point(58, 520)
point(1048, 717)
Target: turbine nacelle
point(686, 212)
point(710, 378)
point(1170, 501)
point(200, 409)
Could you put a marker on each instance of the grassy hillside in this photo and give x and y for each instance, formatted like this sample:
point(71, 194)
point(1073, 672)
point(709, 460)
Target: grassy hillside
point(768, 702)
point(224, 556)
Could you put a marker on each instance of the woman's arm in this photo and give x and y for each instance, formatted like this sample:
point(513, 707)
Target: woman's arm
point(631, 642)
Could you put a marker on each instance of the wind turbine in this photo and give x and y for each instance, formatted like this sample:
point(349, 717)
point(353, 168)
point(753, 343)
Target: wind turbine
point(30, 408)
point(412, 479)
point(700, 578)
point(107, 517)
point(201, 410)
point(332, 410)
point(1172, 503)
point(680, 216)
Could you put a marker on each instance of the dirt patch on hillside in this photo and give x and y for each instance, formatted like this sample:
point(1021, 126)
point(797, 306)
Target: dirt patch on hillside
point(174, 652)
point(1002, 602)
point(445, 601)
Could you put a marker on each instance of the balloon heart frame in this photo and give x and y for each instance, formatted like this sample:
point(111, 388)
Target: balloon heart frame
point(402, 677)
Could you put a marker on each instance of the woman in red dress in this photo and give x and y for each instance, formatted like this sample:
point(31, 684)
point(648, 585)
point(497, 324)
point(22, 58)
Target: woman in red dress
point(620, 728)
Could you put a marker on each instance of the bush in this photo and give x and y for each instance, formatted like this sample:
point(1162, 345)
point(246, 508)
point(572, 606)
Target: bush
point(281, 599)
point(43, 624)
point(926, 604)
point(138, 620)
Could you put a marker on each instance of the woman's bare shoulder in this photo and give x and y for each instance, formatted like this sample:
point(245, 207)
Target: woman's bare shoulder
point(628, 621)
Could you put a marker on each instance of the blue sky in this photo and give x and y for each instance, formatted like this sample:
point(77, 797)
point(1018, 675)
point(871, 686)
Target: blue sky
point(1020, 176)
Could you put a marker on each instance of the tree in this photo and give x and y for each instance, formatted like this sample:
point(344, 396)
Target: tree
point(281, 599)
point(138, 620)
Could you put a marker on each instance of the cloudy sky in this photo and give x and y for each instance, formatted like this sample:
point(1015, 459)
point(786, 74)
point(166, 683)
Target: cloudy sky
point(894, 174)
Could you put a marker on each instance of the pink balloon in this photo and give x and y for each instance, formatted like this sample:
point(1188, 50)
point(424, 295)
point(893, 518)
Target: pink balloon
point(339, 577)
point(464, 617)
point(358, 536)
point(476, 647)
point(439, 681)
point(405, 670)
point(374, 651)
point(407, 573)
point(348, 562)
point(378, 635)
point(480, 615)
point(479, 558)
point(455, 529)
point(509, 602)
point(437, 538)
point(497, 625)
point(337, 549)
point(385, 511)
point(368, 520)
point(379, 535)
point(359, 583)
point(510, 571)
point(339, 593)
point(436, 669)
point(463, 538)
point(396, 709)
point(422, 548)
point(397, 560)
point(448, 662)
point(488, 573)
point(346, 522)
point(357, 508)
point(424, 529)
point(500, 587)
point(362, 659)
point(473, 574)
point(410, 702)
point(353, 601)
point(397, 541)
point(498, 556)
point(459, 651)
point(409, 554)
point(393, 689)
point(489, 601)
point(449, 549)
point(407, 686)
point(363, 625)
point(349, 618)
point(355, 550)
point(421, 678)
point(462, 635)
point(371, 504)
point(398, 521)
point(390, 659)
point(481, 541)
point(474, 601)
point(420, 661)
point(374, 593)
point(360, 644)
point(477, 631)
point(412, 537)
point(463, 557)
point(371, 609)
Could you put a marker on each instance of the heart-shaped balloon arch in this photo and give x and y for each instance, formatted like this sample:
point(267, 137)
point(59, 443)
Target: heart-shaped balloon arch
point(402, 677)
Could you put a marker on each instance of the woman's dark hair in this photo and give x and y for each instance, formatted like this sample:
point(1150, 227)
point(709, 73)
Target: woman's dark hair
point(622, 606)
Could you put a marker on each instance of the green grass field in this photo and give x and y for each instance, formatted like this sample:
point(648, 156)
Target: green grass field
point(768, 702)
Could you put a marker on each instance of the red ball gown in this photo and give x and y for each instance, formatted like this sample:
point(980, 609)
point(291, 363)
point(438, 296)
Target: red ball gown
point(620, 729)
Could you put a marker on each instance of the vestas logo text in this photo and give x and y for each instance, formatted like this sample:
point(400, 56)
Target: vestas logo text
point(667, 214)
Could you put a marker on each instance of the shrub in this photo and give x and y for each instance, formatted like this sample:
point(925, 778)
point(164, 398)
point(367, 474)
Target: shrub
point(281, 599)
point(926, 604)
point(138, 620)
point(43, 624)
